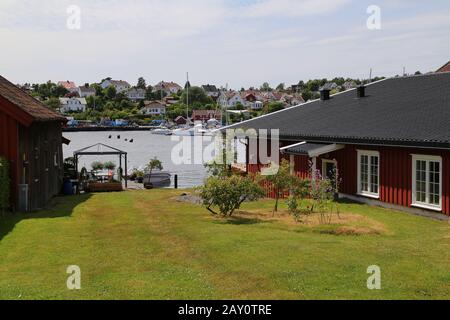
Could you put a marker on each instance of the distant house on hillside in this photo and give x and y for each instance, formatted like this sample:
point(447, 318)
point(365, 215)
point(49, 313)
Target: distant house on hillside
point(211, 91)
point(67, 105)
point(349, 85)
point(168, 87)
point(31, 140)
point(154, 108)
point(136, 94)
point(119, 85)
point(68, 85)
point(444, 68)
point(291, 100)
point(180, 120)
point(205, 115)
point(329, 86)
point(230, 99)
point(85, 91)
point(252, 100)
point(168, 101)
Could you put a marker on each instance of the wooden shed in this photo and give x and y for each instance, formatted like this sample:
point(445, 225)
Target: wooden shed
point(31, 139)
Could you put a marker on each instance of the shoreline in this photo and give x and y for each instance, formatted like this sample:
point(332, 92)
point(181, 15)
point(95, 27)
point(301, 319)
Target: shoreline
point(99, 129)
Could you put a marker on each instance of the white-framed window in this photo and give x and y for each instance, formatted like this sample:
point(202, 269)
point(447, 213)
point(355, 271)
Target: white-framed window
point(427, 182)
point(369, 173)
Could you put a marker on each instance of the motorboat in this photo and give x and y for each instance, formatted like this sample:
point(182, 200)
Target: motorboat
point(162, 131)
point(197, 130)
point(157, 179)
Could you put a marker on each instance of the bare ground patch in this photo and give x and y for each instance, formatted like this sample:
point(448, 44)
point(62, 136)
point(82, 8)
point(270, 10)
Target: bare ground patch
point(344, 224)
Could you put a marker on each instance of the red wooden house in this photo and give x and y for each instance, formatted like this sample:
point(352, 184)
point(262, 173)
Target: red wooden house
point(389, 141)
point(205, 115)
point(31, 139)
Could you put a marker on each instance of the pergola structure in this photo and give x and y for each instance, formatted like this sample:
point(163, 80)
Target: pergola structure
point(101, 149)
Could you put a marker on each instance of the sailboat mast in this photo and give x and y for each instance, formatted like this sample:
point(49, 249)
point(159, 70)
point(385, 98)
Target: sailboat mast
point(187, 95)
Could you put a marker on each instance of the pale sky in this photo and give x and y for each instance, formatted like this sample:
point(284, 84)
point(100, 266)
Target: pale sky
point(239, 42)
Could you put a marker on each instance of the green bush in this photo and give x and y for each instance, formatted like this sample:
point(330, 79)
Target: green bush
point(4, 184)
point(228, 193)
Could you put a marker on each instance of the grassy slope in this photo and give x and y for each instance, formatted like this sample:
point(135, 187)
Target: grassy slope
point(144, 245)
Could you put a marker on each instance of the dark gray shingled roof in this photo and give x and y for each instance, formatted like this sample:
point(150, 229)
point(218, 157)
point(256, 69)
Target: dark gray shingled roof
point(406, 111)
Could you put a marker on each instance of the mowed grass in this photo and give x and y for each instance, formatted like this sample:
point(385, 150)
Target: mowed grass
point(146, 245)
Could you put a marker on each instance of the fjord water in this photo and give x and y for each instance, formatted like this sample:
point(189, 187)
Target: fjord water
point(144, 147)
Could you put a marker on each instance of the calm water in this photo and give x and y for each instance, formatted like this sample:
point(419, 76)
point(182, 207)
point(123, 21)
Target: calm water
point(145, 147)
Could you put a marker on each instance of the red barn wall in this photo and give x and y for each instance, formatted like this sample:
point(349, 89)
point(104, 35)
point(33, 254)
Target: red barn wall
point(9, 149)
point(395, 172)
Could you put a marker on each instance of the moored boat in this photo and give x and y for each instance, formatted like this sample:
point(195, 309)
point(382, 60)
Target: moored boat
point(162, 131)
point(157, 179)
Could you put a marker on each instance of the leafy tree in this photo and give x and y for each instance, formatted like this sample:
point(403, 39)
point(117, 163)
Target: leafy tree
point(141, 84)
point(52, 103)
point(149, 93)
point(281, 180)
point(98, 90)
point(110, 92)
point(58, 91)
point(95, 103)
point(281, 87)
point(228, 193)
point(273, 107)
point(157, 95)
point(126, 105)
point(196, 95)
point(266, 87)
point(300, 189)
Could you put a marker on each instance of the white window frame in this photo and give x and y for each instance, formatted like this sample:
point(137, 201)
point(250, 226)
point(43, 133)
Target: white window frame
point(428, 159)
point(324, 166)
point(369, 153)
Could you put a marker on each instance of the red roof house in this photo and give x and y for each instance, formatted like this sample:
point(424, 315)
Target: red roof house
point(444, 68)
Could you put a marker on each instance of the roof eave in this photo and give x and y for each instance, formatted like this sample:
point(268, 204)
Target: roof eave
point(369, 141)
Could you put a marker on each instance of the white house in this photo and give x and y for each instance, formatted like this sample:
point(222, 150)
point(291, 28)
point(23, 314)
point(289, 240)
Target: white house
point(136, 94)
point(154, 108)
point(119, 85)
point(72, 105)
point(231, 99)
point(85, 91)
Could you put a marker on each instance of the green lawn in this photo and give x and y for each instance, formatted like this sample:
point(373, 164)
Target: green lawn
point(146, 245)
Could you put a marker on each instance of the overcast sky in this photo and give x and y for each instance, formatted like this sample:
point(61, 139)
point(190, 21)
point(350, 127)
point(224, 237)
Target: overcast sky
point(239, 42)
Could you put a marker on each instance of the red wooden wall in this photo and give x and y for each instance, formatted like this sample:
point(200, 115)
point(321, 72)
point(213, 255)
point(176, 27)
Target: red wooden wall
point(395, 172)
point(9, 149)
